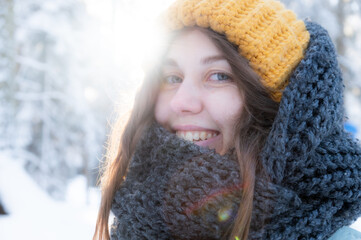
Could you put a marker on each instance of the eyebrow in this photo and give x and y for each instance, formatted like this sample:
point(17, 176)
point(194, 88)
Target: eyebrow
point(212, 59)
point(204, 61)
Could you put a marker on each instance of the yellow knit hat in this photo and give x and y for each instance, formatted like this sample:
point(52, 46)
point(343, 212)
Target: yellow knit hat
point(266, 33)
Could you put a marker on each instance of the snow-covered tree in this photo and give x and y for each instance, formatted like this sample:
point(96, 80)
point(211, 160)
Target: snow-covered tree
point(48, 114)
point(8, 104)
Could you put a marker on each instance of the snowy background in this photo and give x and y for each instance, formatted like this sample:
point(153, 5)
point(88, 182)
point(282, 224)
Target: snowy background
point(67, 69)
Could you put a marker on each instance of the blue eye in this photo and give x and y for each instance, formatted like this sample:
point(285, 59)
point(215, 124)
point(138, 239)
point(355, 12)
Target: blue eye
point(220, 77)
point(172, 79)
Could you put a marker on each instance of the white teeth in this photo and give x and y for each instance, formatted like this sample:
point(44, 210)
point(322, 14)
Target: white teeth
point(189, 136)
point(195, 135)
point(202, 136)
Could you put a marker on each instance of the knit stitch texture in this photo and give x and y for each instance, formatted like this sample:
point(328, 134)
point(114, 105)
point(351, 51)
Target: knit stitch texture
point(177, 190)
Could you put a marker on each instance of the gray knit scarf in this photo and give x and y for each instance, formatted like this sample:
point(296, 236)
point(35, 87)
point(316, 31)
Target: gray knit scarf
point(177, 190)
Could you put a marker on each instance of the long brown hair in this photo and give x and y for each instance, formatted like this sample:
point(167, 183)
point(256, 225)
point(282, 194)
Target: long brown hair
point(252, 129)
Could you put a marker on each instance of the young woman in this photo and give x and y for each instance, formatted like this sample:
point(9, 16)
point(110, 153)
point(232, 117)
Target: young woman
point(237, 133)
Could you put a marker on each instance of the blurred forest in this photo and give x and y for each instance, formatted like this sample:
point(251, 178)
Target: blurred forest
point(61, 81)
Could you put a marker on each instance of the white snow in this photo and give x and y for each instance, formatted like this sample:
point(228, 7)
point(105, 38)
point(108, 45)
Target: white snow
point(34, 215)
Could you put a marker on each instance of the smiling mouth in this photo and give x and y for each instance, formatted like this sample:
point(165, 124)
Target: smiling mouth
point(197, 136)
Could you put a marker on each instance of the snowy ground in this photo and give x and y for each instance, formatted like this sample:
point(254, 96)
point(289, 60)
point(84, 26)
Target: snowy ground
point(33, 215)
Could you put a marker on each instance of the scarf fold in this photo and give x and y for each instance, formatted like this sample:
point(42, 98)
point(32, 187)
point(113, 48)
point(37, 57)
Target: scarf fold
point(175, 189)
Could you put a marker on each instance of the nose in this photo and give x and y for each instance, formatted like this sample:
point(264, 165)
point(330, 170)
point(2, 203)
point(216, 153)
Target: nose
point(187, 99)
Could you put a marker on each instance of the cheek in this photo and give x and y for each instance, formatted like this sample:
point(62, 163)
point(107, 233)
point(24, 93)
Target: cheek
point(161, 109)
point(226, 108)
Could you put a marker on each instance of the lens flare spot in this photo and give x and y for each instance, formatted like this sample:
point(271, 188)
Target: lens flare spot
point(224, 214)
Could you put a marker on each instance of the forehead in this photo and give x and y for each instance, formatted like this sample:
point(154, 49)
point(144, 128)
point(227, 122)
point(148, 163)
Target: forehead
point(192, 42)
point(194, 49)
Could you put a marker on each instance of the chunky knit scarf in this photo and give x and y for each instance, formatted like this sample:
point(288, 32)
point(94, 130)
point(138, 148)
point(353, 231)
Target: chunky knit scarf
point(177, 190)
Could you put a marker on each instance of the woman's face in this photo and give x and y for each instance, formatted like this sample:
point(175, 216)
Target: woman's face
point(198, 100)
